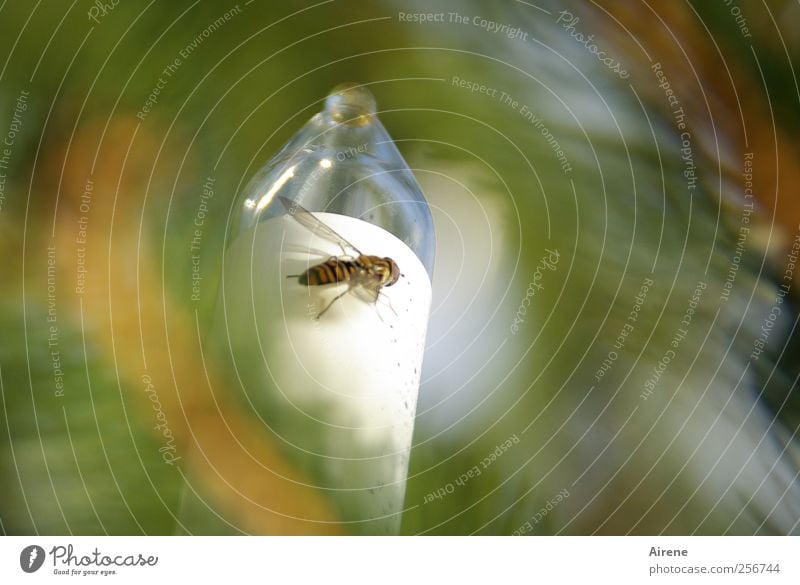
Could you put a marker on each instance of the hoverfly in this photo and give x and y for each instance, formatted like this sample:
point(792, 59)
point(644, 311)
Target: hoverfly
point(364, 275)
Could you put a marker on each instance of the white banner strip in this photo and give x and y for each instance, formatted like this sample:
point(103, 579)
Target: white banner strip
point(355, 560)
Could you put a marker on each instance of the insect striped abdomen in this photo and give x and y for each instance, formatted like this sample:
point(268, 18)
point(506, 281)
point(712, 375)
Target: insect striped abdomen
point(331, 271)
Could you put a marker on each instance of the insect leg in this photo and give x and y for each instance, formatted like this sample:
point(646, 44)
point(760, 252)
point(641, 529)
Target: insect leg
point(336, 298)
point(388, 300)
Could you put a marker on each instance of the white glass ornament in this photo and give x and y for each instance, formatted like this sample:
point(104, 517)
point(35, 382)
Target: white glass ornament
point(324, 306)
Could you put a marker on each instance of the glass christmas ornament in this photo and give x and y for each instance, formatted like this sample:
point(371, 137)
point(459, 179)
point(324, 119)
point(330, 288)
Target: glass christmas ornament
point(324, 305)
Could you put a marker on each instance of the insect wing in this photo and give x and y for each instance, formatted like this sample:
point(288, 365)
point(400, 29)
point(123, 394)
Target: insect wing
point(366, 287)
point(316, 226)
